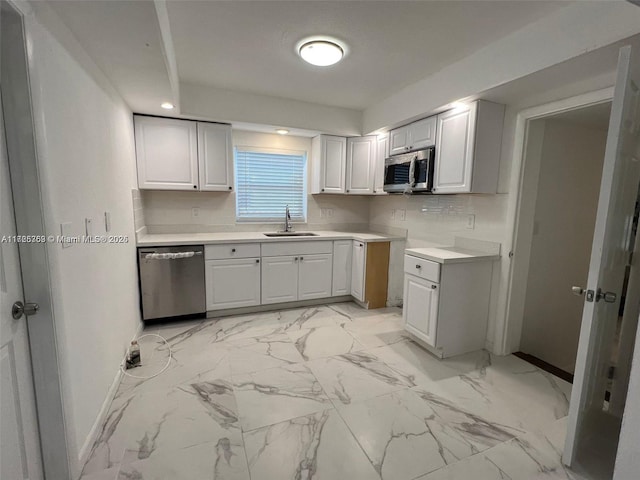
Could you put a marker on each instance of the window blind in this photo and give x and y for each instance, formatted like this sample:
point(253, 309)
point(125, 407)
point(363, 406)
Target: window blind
point(267, 181)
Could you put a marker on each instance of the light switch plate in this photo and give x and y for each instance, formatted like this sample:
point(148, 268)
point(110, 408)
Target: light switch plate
point(107, 222)
point(65, 231)
point(195, 212)
point(401, 215)
point(88, 227)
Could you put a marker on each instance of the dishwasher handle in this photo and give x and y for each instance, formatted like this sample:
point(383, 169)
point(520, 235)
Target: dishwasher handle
point(170, 256)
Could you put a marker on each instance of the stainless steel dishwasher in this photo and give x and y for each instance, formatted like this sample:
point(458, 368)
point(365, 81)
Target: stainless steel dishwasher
point(171, 281)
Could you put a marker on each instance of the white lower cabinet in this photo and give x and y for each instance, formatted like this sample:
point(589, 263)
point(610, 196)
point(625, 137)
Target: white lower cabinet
point(358, 270)
point(342, 267)
point(232, 283)
point(446, 306)
point(314, 276)
point(421, 308)
point(279, 279)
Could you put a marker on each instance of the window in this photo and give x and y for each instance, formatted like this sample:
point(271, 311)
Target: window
point(267, 181)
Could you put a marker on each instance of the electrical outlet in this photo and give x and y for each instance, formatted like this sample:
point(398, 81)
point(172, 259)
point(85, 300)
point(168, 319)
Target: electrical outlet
point(329, 212)
point(471, 221)
point(107, 222)
point(195, 212)
point(88, 227)
point(401, 215)
point(393, 214)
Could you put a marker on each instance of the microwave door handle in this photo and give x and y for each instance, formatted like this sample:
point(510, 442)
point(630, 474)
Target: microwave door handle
point(412, 171)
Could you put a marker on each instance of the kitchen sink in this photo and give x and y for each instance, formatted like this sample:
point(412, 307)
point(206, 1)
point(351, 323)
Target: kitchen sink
point(291, 234)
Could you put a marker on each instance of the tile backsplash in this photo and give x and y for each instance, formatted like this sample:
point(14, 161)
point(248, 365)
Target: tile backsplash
point(190, 212)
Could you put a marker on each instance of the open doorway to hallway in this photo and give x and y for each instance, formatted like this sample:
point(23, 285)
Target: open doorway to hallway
point(570, 155)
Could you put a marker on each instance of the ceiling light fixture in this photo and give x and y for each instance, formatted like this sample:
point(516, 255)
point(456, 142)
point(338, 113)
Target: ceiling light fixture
point(167, 105)
point(282, 131)
point(321, 53)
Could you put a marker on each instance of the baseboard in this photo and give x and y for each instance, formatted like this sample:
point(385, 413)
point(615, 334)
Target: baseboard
point(87, 447)
point(277, 306)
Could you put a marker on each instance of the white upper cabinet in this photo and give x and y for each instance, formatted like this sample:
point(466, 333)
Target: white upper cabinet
point(382, 152)
point(166, 153)
point(416, 135)
point(468, 144)
point(422, 133)
point(215, 157)
point(361, 157)
point(328, 156)
point(399, 140)
point(183, 155)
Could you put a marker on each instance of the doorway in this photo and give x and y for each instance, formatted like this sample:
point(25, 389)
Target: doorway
point(569, 155)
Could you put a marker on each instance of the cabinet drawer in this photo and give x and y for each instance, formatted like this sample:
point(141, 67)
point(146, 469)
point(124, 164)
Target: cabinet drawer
point(422, 268)
point(276, 249)
point(231, 250)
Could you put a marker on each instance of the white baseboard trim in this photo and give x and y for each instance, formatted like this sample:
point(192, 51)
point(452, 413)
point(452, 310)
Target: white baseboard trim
point(87, 447)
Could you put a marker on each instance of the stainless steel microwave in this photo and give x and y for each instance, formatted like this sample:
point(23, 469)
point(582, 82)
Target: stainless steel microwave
point(410, 172)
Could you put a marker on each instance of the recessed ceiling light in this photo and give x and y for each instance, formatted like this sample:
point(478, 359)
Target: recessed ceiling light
point(282, 131)
point(167, 105)
point(321, 53)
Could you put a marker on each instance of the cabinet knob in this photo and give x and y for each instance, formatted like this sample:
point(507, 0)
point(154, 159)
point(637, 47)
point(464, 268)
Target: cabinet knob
point(347, 191)
point(233, 250)
point(433, 287)
point(195, 186)
point(301, 258)
point(322, 190)
point(257, 260)
point(418, 266)
point(230, 188)
point(295, 259)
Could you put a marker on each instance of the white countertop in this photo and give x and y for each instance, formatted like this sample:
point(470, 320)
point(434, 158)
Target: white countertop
point(451, 254)
point(168, 239)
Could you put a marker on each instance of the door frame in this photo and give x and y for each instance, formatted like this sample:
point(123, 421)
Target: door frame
point(521, 207)
point(27, 190)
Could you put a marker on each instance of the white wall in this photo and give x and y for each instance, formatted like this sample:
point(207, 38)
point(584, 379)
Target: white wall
point(86, 160)
point(171, 211)
point(579, 28)
point(565, 213)
point(230, 106)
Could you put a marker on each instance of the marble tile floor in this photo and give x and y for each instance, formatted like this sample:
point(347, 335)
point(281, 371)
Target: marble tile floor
point(332, 392)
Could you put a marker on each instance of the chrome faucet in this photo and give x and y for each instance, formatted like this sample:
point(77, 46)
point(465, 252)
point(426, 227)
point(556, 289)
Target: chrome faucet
point(287, 220)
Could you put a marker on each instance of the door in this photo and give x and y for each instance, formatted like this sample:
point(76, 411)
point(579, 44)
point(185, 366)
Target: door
point(333, 157)
point(215, 157)
point(592, 431)
point(166, 153)
point(20, 451)
point(314, 276)
point(455, 135)
point(399, 140)
point(232, 283)
point(382, 151)
point(279, 279)
point(361, 153)
point(342, 267)
point(422, 133)
point(358, 270)
point(420, 311)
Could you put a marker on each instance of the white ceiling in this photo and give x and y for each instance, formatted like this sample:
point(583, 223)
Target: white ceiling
point(249, 46)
